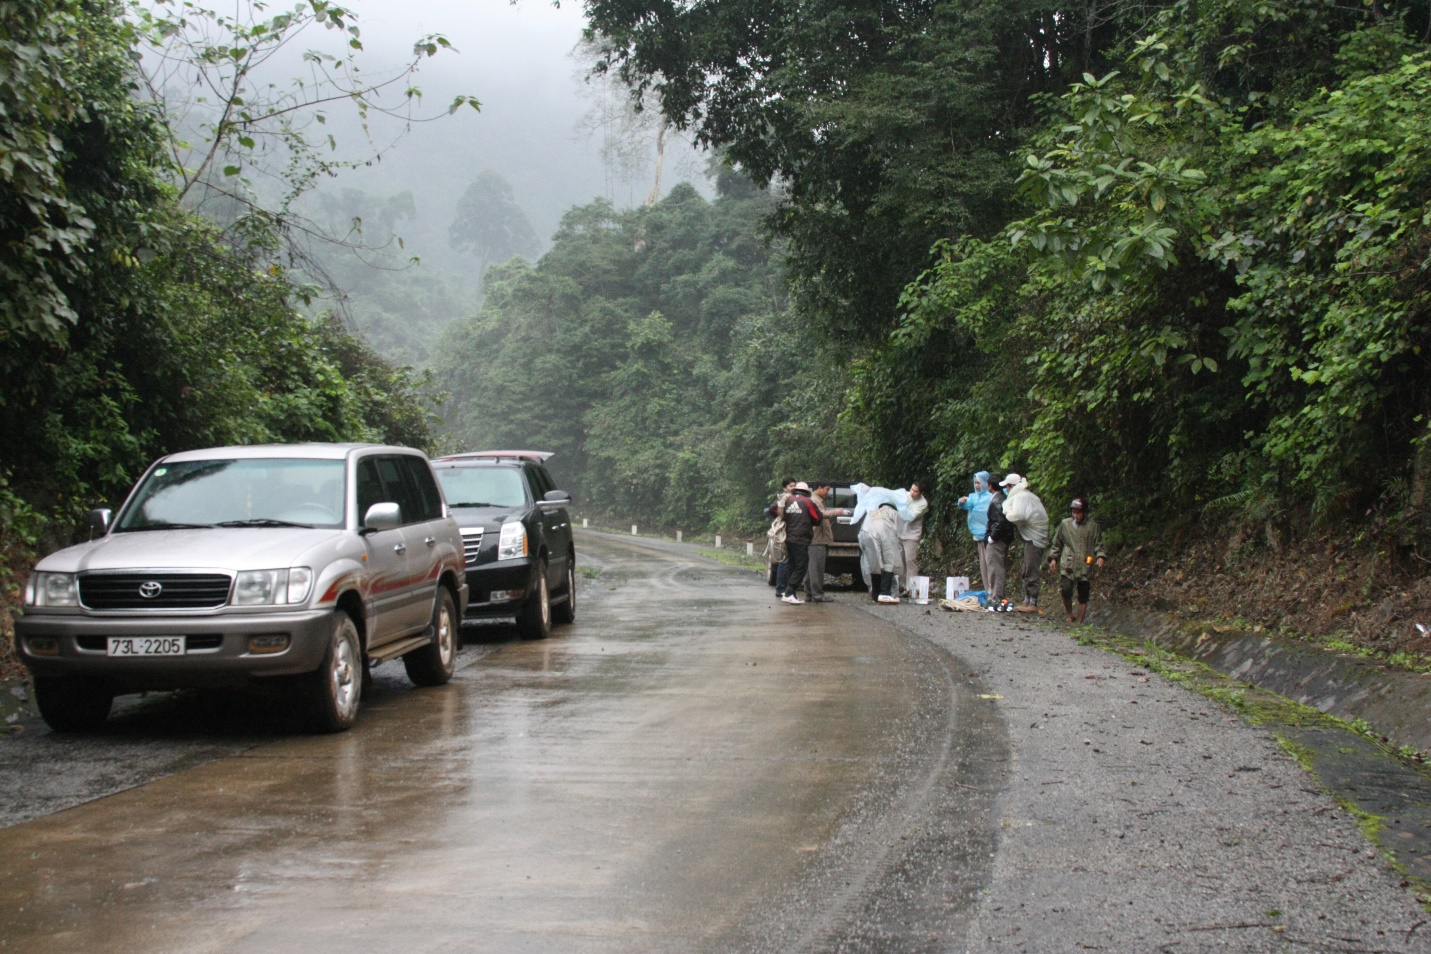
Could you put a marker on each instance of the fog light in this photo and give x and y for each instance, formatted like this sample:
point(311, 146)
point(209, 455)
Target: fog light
point(267, 645)
point(43, 646)
point(506, 596)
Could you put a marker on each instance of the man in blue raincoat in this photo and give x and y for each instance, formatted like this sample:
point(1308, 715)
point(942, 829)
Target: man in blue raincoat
point(977, 503)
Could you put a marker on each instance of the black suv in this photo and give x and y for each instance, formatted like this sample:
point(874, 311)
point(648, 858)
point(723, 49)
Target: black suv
point(516, 535)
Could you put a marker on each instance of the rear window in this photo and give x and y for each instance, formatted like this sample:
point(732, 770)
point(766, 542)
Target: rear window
point(482, 486)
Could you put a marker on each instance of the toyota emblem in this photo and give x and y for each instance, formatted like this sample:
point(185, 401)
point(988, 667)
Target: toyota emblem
point(150, 589)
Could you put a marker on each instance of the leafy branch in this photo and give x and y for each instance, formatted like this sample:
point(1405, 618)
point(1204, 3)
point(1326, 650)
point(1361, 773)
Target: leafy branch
point(209, 75)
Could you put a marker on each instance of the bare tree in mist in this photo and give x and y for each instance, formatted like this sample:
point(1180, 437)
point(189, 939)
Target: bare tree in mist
point(633, 142)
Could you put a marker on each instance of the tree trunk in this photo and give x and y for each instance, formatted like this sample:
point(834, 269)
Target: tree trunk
point(1419, 522)
point(655, 192)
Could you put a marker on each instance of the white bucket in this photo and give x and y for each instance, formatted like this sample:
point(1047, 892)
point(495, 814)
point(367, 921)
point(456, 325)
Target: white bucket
point(955, 587)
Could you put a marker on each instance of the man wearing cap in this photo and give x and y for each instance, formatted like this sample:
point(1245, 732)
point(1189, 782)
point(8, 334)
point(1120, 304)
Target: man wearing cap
point(1076, 547)
point(1025, 511)
point(801, 517)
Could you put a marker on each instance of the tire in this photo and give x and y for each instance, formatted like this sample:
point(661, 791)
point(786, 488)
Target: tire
point(434, 664)
point(535, 621)
point(72, 705)
point(770, 570)
point(565, 613)
point(334, 690)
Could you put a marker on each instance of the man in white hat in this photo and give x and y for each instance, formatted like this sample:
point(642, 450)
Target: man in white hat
point(1025, 511)
point(801, 516)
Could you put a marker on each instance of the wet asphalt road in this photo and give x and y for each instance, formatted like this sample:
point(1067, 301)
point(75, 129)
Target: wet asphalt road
point(694, 767)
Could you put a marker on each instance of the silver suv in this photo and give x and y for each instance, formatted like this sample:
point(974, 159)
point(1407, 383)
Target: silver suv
point(298, 565)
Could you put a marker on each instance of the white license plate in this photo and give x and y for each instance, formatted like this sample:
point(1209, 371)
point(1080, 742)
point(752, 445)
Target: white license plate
point(146, 646)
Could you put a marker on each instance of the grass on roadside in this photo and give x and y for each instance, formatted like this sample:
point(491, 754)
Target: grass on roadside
point(1262, 707)
point(731, 557)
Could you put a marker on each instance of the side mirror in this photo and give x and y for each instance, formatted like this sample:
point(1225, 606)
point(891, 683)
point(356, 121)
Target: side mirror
point(382, 516)
point(99, 521)
point(556, 496)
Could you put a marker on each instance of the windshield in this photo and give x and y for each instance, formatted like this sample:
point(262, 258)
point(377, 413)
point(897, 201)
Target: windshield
point(245, 493)
point(482, 486)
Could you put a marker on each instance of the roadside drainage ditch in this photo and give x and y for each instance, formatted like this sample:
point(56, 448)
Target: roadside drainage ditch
point(1391, 796)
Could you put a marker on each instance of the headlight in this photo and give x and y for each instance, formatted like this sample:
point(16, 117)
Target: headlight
point(272, 587)
point(52, 589)
point(513, 541)
point(300, 583)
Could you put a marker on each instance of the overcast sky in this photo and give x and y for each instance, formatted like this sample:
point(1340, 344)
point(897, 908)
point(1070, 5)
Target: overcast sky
point(516, 59)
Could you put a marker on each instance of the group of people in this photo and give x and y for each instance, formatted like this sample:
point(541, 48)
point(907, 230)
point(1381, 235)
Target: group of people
point(997, 516)
point(892, 525)
point(802, 533)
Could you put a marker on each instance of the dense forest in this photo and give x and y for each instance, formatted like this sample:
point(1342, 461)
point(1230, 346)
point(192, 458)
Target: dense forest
point(131, 323)
point(651, 350)
point(1172, 256)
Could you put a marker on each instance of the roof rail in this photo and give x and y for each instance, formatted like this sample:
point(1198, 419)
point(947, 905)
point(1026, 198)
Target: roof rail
point(500, 454)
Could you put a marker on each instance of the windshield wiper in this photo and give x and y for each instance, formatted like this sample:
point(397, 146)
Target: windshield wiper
point(479, 503)
point(263, 522)
point(167, 526)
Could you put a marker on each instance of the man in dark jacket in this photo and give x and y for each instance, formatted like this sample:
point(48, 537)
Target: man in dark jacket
point(801, 517)
point(1000, 534)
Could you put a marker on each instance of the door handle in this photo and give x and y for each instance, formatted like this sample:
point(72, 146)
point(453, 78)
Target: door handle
point(430, 541)
point(400, 548)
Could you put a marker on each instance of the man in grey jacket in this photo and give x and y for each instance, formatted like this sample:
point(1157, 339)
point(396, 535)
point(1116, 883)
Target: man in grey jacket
point(910, 530)
point(820, 542)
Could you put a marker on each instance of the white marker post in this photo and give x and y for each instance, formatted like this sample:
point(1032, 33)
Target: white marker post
point(678, 536)
point(633, 530)
point(717, 541)
point(750, 548)
point(584, 522)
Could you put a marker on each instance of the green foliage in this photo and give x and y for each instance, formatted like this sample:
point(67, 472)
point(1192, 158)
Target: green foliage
point(398, 303)
point(650, 350)
point(490, 224)
point(43, 226)
point(890, 122)
point(143, 330)
point(233, 131)
point(1217, 296)
point(1178, 251)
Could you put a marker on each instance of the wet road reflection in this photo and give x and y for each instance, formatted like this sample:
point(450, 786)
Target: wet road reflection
point(692, 766)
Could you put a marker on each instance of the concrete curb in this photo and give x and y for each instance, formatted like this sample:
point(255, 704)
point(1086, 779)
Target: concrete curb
point(1396, 703)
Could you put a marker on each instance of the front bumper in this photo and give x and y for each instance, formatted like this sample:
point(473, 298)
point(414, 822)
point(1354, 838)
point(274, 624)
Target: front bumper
point(501, 588)
point(217, 655)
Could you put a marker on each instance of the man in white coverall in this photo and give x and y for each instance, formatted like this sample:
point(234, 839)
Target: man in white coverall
point(1025, 511)
point(881, 556)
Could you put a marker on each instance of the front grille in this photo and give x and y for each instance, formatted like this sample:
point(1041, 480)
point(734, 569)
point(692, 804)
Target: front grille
point(112, 591)
point(471, 543)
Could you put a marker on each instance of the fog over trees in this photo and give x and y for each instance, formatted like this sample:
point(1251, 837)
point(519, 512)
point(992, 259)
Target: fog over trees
point(1169, 255)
